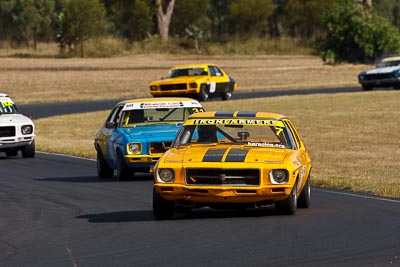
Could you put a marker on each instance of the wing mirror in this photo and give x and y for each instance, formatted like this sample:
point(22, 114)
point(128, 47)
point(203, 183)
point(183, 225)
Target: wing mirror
point(111, 125)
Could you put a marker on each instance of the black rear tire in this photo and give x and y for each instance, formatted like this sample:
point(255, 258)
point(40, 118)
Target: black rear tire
point(227, 95)
point(304, 199)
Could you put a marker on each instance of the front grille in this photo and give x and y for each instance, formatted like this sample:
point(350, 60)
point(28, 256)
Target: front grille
point(179, 86)
point(234, 177)
point(380, 76)
point(159, 147)
point(7, 131)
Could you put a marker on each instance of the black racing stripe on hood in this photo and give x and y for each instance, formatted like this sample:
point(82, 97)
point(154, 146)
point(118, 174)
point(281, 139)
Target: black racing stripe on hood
point(236, 155)
point(246, 114)
point(214, 155)
point(224, 114)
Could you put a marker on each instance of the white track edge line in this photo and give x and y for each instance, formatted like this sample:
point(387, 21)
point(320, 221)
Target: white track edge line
point(64, 155)
point(356, 195)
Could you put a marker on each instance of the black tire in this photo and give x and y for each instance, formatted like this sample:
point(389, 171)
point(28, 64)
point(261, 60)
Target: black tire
point(304, 200)
point(123, 171)
point(29, 150)
point(396, 86)
point(11, 152)
point(204, 94)
point(227, 95)
point(162, 208)
point(367, 87)
point(289, 205)
point(103, 170)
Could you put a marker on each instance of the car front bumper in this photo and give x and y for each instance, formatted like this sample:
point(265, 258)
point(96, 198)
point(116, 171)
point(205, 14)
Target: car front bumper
point(201, 194)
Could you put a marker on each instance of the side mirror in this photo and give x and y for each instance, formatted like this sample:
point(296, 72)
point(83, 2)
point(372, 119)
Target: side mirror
point(111, 125)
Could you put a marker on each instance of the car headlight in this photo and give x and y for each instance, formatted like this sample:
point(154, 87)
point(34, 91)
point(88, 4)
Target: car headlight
point(279, 176)
point(361, 76)
point(166, 175)
point(153, 88)
point(193, 85)
point(27, 129)
point(134, 148)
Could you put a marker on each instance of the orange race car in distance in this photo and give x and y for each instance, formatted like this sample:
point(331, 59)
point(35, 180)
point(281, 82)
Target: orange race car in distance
point(233, 160)
point(201, 81)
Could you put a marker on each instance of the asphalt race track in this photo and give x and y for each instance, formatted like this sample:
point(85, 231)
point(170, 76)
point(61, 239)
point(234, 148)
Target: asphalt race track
point(56, 212)
point(37, 111)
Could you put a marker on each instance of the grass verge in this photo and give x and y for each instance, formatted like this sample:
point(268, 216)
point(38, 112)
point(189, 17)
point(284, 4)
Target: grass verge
point(352, 138)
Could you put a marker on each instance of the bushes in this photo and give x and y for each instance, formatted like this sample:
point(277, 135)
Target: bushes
point(356, 34)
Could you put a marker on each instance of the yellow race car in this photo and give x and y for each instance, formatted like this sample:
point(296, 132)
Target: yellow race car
point(201, 81)
point(233, 160)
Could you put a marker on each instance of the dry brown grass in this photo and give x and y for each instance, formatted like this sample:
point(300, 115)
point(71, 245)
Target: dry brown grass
point(353, 138)
point(30, 80)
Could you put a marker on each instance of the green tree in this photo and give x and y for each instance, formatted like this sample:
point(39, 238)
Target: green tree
point(218, 15)
point(26, 21)
point(355, 33)
point(81, 21)
point(249, 17)
point(186, 13)
point(132, 19)
point(6, 18)
point(303, 17)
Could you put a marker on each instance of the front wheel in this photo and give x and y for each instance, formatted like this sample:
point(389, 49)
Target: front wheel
point(28, 151)
point(204, 95)
point(162, 208)
point(289, 205)
point(11, 152)
point(123, 170)
point(367, 87)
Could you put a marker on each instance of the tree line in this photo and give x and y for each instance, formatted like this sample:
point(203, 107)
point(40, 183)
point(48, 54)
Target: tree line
point(350, 30)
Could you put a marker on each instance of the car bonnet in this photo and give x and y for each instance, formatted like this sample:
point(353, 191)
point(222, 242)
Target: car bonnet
point(14, 119)
point(152, 131)
point(205, 153)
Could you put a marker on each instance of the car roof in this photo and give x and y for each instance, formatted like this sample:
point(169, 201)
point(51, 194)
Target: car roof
point(391, 58)
point(237, 114)
point(191, 65)
point(157, 100)
point(3, 95)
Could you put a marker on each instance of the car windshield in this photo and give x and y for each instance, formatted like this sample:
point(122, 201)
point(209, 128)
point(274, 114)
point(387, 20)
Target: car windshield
point(255, 135)
point(157, 115)
point(390, 63)
point(191, 71)
point(8, 107)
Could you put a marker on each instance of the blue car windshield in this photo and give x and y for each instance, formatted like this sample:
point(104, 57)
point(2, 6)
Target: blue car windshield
point(158, 115)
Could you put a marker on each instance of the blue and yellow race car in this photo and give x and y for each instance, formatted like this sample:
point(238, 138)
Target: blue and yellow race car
point(137, 132)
